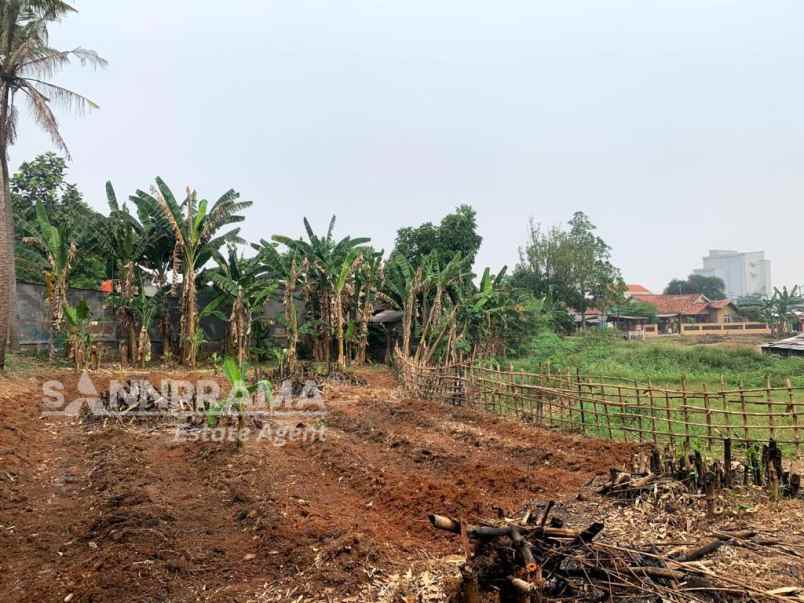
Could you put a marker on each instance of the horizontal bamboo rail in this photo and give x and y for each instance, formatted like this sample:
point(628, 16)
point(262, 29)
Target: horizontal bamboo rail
point(617, 410)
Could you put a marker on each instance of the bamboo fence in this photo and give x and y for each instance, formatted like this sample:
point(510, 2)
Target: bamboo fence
point(681, 417)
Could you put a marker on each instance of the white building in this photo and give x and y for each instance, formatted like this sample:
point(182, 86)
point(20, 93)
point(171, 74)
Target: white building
point(744, 273)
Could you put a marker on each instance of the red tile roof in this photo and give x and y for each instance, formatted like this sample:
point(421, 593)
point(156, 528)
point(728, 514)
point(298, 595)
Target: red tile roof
point(688, 305)
point(634, 289)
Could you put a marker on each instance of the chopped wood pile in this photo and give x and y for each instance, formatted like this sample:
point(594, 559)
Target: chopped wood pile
point(539, 559)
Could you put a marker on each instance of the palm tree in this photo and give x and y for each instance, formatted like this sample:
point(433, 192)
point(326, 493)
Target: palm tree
point(26, 63)
point(59, 248)
point(196, 226)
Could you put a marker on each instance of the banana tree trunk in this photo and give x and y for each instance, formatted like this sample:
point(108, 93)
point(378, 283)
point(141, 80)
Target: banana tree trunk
point(189, 318)
point(362, 346)
point(239, 329)
point(144, 347)
point(164, 333)
point(339, 329)
point(290, 316)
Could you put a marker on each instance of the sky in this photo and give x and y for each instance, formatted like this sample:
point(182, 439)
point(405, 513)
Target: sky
point(676, 126)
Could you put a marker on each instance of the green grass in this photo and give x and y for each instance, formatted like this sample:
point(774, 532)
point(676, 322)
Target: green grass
point(662, 361)
point(614, 365)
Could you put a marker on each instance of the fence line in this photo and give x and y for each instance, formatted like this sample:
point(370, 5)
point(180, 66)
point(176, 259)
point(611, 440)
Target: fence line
point(627, 411)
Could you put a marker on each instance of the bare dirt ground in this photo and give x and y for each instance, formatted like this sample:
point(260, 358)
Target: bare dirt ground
point(125, 513)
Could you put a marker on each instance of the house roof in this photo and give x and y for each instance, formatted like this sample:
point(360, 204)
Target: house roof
point(720, 303)
point(688, 305)
point(793, 344)
point(634, 289)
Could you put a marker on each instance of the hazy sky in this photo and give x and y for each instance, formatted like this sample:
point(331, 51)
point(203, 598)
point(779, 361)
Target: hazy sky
point(677, 126)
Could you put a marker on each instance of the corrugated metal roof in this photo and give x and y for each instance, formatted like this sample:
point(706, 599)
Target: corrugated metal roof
point(386, 316)
point(791, 344)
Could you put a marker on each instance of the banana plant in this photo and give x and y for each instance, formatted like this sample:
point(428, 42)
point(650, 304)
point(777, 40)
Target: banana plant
point(243, 283)
point(196, 227)
point(285, 270)
point(78, 320)
point(145, 310)
point(59, 247)
point(240, 394)
point(124, 244)
point(368, 282)
point(348, 267)
point(320, 261)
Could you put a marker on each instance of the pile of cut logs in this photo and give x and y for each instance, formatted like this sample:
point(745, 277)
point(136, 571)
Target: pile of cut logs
point(533, 560)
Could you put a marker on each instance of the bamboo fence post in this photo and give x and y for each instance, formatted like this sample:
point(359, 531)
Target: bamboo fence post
point(686, 413)
point(669, 412)
point(608, 418)
point(622, 412)
point(652, 412)
point(579, 387)
point(725, 404)
point(511, 379)
point(597, 410)
point(571, 406)
point(791, 408)
point(745, 414)
point(708, 417)
point(771, 427)
point(523, 392)
point(639, 410)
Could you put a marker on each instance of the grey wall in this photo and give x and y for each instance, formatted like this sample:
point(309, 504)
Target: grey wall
point(33, 315)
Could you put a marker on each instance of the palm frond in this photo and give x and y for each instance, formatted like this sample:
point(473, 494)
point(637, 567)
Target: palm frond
point(44, 116)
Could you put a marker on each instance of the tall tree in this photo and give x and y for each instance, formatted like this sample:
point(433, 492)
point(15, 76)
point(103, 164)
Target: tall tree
point(572, 266)
point(457, 233)
point(712, 287)
point(26, 63)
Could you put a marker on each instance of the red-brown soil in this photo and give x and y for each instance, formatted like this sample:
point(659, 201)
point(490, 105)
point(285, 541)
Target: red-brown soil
point(125, 513)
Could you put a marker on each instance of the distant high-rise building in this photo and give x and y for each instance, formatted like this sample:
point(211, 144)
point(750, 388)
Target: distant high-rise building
point(744, 273)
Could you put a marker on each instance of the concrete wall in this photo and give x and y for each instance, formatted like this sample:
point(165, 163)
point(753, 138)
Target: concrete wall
point(33, 315)
point(34, 321)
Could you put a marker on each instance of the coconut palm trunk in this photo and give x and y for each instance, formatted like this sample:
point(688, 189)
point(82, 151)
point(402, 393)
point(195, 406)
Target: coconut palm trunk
point(11, 244)
point(6, 230)
point(27, 61)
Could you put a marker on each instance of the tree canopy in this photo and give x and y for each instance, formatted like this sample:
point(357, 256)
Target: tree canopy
point(712, 287)
point(43, 181)
point(457, 233)
point(569, 266)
